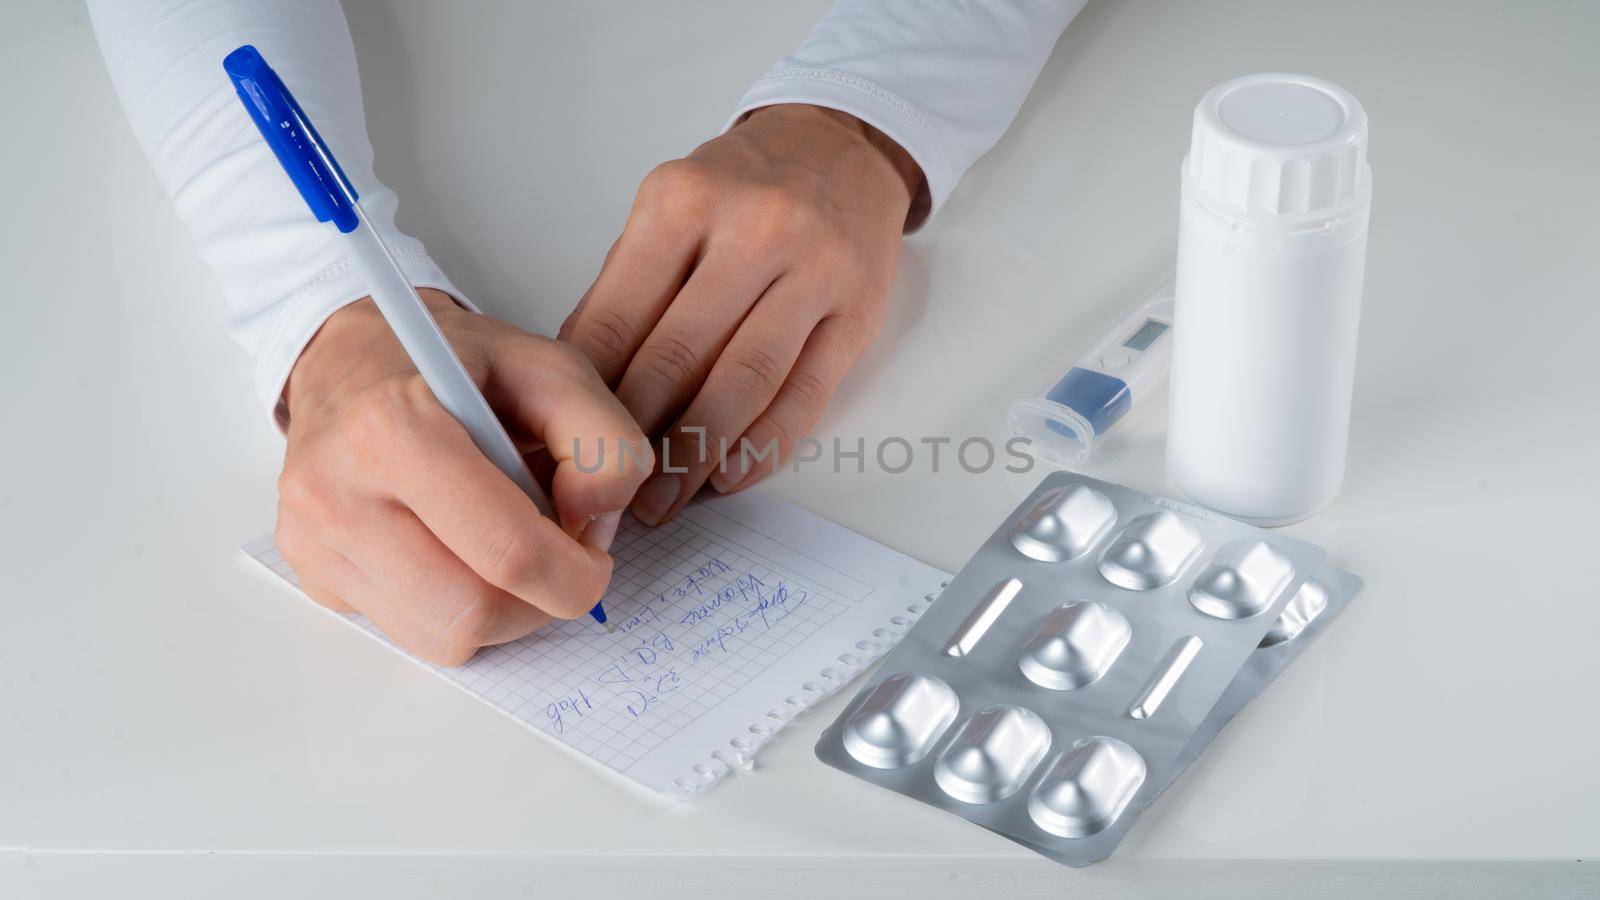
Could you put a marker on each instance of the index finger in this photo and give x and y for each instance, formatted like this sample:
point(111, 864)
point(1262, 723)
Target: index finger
point(550, 390)
point(641, 274)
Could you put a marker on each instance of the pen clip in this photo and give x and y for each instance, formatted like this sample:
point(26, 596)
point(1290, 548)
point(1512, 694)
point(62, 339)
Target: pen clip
point(296, 144)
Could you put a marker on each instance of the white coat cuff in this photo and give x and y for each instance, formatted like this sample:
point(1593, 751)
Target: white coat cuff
point(303, 313)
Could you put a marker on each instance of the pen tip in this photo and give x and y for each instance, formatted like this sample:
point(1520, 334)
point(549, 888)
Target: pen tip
point(610, 628)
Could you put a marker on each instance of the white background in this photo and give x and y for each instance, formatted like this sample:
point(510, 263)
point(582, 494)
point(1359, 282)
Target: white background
point(156, 694)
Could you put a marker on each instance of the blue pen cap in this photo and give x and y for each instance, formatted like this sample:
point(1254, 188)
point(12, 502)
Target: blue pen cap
point(285, 128)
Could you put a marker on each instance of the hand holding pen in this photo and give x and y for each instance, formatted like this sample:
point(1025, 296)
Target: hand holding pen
point(402, 495)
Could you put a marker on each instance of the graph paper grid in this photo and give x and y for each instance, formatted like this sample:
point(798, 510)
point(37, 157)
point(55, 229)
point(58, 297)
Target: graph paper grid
point(730, 619)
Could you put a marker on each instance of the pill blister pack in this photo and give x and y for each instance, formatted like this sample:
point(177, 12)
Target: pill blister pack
point(1080, 661)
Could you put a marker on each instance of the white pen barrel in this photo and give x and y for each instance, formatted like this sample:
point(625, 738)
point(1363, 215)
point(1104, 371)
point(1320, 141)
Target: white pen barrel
point(443, 371)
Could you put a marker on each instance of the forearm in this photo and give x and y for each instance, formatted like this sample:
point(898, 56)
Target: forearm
point(943, 80)
point(280, 271)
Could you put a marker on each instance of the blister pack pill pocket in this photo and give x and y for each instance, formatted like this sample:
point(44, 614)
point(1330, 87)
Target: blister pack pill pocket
point(1051, 691)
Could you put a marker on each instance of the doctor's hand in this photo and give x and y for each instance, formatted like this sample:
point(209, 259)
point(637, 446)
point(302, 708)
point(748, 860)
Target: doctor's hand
point(748, 278)
point(386, 506)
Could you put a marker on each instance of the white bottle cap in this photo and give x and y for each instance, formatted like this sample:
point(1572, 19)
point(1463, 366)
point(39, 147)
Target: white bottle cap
point(1279, 147)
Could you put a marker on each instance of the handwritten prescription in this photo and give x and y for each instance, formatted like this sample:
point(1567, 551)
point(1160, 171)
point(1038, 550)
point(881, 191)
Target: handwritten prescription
point(700, 619)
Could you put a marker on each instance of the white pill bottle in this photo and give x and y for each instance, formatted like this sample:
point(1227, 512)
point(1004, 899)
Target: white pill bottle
point(1272, 244)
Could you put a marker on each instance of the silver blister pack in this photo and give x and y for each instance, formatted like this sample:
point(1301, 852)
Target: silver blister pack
point(1074, 667)
point(1316, 604)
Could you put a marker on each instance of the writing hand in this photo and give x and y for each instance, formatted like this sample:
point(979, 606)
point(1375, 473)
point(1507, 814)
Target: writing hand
point(386, 506)
point(748, 278)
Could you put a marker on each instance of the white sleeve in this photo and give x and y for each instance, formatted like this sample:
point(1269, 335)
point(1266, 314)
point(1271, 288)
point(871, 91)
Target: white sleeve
point(941, 79)
point(281, 271)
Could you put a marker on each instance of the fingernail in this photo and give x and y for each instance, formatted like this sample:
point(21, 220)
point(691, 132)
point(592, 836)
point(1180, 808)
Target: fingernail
point(731, 473)
point(602, 530)
point(656, 497)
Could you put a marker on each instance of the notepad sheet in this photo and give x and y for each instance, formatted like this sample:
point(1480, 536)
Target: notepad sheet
point(731, 619)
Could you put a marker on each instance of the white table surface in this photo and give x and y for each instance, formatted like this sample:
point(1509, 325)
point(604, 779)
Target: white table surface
point(168, 715)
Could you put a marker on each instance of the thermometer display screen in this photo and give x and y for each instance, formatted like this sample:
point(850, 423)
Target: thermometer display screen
point(1146, 335)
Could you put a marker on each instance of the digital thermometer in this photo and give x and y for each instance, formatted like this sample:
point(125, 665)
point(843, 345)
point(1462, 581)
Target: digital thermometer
point(1065, 421)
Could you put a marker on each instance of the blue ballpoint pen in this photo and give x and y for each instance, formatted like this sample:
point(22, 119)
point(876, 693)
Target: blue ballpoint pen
point(333, 199)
